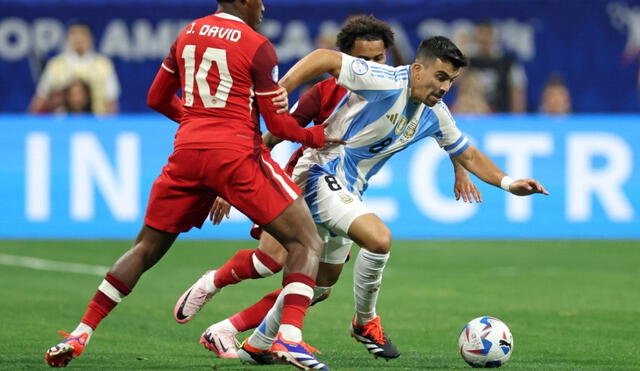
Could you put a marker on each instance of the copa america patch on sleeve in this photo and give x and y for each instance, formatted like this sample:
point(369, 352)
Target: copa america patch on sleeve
point(274, 74)
point(359, 66)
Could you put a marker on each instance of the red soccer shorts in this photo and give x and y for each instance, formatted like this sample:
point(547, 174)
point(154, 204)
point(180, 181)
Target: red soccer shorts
point(250, 180)
point(256, 229)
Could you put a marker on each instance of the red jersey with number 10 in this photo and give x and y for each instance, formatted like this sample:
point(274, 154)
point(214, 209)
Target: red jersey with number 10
point(222, 63)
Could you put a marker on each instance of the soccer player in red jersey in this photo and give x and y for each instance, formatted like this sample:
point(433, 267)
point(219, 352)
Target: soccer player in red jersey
point(227, 71)
point(364, 37)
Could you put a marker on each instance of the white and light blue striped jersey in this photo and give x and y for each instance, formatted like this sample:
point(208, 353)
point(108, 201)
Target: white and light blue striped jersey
point(376, 119)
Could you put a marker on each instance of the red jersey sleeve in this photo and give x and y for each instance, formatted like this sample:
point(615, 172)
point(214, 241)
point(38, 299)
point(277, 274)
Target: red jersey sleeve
point(162, 93)
point(264, 72)
point(264, 69)
point(170, 64)
point(308, 107)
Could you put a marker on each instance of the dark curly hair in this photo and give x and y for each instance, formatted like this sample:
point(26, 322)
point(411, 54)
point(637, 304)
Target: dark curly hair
point(442, 48)
point(366, 27)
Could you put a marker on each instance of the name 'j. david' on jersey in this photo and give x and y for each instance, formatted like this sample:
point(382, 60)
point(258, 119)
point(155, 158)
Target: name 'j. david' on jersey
point(376, 120)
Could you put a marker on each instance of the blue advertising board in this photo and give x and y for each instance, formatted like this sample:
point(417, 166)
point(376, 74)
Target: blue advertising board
point(85, 177)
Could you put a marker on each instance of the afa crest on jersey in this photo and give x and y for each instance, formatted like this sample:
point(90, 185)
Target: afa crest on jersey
point(359, 67)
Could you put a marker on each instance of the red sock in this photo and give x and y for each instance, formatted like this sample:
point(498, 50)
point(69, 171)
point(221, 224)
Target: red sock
point(299, 291)
point(245, 264)
point(252, 316)
point(110, 292)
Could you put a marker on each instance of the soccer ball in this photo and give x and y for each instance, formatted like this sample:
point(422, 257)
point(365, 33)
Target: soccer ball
point(485, 342)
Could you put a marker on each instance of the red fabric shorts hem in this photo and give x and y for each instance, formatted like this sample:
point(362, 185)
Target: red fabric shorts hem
point(182, 196)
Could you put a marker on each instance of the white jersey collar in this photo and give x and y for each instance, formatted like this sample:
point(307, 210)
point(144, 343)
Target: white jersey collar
point(227, 16)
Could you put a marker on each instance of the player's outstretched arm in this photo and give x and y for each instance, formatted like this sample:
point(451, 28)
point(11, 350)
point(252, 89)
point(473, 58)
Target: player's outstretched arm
point(480, 165)
point(162, 95)
point(315, 64)
point(285, 127)
point(306, 110)
point(263, 72)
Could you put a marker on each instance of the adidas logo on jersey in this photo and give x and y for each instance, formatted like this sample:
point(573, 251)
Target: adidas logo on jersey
point(392, 117)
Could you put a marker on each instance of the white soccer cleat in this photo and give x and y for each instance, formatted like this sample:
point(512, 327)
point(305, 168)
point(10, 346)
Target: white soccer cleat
point(221, 342)
point(194, 298)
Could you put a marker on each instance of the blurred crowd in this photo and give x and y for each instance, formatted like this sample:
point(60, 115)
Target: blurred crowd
point(497, 83)
point(80, 80)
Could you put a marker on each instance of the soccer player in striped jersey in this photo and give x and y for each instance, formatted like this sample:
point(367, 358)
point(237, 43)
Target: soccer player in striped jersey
point(387, 110)
point(368, 38)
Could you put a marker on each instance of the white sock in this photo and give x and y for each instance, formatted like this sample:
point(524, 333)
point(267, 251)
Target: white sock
point(83, 328)
point(209, 281)
point(264, 335)
point(260, 341)
point(266, 332)
point(291, 333)
point(367, 278)
point(226, 325)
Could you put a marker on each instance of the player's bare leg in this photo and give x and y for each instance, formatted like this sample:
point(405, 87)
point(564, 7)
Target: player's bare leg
point(150, 246)
point(374, 239)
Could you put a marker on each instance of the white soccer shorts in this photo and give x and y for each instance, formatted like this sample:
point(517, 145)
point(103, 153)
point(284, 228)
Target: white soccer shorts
point(333, 208)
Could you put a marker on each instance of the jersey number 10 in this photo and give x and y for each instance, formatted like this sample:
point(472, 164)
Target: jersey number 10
point(219, 56)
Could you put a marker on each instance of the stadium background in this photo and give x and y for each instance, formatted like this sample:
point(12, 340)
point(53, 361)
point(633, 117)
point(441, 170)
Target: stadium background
point(83, 177)
point(86, 178)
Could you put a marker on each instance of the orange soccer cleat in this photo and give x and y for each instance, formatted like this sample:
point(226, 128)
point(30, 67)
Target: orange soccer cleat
point(71, 347)
point(373, 337)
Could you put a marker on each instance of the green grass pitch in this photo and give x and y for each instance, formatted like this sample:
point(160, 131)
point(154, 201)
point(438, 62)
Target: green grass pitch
point(571, 305)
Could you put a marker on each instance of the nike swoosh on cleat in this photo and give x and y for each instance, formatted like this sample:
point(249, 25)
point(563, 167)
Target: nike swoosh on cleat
point(179, 313)
point(224, 349)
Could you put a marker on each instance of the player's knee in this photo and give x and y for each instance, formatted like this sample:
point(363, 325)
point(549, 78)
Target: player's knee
point(328, 274)
point(380, 242)
point(314, 243)
point(326, 280)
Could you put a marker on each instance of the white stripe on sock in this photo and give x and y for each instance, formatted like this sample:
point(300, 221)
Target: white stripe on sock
point(299, 289)
point(111, 292)
point(262, 269)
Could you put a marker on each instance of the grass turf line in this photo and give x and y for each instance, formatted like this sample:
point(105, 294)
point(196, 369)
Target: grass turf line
point(571, 305)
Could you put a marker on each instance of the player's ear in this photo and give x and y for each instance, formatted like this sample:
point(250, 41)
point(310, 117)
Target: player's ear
point(416, 70)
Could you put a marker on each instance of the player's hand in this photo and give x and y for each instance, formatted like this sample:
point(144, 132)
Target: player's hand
point(465, 188)
point(219, 209)
point(525, 187)
point(281, 100)
point(331, 140)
